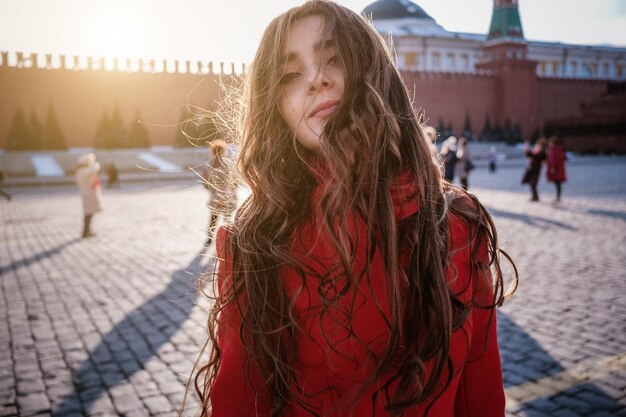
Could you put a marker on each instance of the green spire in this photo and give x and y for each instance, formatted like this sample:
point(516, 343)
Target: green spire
point(505, 21)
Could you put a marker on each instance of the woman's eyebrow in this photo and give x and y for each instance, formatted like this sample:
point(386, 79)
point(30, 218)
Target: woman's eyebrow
point(289, 57)
point(323, 44)
point(317, 46)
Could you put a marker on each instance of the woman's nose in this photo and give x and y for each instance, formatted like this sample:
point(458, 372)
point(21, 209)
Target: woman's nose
point(319, 80)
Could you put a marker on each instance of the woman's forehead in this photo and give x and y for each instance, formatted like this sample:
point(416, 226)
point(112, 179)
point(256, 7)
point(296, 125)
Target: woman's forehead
point(306, 33)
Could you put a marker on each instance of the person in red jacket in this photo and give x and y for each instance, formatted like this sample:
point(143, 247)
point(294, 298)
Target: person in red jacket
point(556, 165)
point(353, 281)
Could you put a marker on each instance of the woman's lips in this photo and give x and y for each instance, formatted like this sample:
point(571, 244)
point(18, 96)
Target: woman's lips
point(325, 109)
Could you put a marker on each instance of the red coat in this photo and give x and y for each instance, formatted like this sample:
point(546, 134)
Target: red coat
point(475, 389)
point(556, 163)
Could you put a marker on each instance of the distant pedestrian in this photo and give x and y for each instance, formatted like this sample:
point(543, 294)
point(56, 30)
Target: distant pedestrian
point(556, 165)
point(218, 179)
point(2, 192)
point(431, 135)
point(464, 164)
point(493, 160)
point(90, 189)
point(536, 158)
point(113, 179)
point(448, 156)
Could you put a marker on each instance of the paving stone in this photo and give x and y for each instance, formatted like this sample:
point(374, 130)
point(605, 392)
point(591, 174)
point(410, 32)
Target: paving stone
point(606, 414)
point(26, 367)
point(545, 404)
point(566, 412)
point(158, 404)
point(596, 400)
point(149, 389)
point(102, 406)
point(129, 367)
point(87, 379)
point(128, 401)
point(573, 403)
point(137, 413)
point(30, 386)
point(32, 404)
point(8, 410)
point(113, 378)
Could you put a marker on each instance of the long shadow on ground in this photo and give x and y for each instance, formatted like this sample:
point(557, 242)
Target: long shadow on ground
point(36, 257)
point(536, 221)
point(134, 341)
point(525, 361)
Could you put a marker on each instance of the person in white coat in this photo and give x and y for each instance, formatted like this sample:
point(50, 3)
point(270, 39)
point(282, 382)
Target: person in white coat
point(90, 189)
point(218, 179)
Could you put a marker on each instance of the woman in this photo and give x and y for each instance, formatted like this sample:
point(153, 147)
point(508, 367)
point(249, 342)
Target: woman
point(464, 163)
point(448, 156)
point(536, 157)
point(90, 189)
point(218, 179)
point(353, 280)
point(556, 165)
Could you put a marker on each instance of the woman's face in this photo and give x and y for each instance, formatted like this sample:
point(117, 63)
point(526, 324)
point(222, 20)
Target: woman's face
point(312, 80)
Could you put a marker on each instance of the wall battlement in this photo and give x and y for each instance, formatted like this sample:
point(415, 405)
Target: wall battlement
point(151, 66)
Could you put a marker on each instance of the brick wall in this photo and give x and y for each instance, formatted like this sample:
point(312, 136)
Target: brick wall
point(80, 98)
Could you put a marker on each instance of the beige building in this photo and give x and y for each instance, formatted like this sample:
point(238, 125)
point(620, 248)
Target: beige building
point(424, 45)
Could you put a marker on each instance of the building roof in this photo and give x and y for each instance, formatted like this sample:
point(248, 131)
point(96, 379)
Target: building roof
point(395, 9)
point(505, 21)
point(402, 18)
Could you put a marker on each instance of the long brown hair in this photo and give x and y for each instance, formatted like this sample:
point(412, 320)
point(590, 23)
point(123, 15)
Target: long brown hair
point(374, 135)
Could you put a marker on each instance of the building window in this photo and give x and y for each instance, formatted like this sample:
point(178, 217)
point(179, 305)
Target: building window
point(410, 61)
point(450, 62)
point(605, 70)
point(574, 68)
point(436, 65)
point(587, 70)
point(465, 62)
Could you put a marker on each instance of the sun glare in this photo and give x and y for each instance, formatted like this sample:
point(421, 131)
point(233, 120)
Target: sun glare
point(115, 38)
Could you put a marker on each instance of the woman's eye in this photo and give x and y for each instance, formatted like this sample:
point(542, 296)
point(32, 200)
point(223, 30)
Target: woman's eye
point(333, 60)
point(290, 76)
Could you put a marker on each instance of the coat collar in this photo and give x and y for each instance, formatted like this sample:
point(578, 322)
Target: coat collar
point(404, 190)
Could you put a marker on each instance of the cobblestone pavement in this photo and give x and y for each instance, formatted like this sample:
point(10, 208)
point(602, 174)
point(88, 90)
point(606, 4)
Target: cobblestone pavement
point(111, 325)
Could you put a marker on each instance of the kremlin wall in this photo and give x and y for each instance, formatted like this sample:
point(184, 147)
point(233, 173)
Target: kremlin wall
point(81, 94)
point(503, 85)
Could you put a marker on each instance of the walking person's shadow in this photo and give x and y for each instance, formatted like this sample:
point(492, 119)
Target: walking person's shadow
point(135, 340)
point(525, 363)
point(24, 262)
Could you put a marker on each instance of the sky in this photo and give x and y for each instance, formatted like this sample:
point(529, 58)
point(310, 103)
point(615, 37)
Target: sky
point(229, 30)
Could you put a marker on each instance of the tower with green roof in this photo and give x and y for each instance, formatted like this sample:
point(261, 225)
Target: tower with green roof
point(505, 55)
point(505, 21)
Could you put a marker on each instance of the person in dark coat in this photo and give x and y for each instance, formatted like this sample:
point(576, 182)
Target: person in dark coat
point(113, 177)
point(536, 157)
point(2, 192)
point(493, 160)
point(556, 165)
point(464, 164)
point(449, 159)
